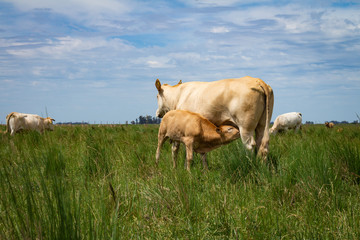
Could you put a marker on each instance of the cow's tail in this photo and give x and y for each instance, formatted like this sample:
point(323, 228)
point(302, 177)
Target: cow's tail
point(269, 104)
point(8, 117)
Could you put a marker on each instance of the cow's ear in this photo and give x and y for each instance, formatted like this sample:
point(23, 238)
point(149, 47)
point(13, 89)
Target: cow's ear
point(218, 130)
point(158, 85)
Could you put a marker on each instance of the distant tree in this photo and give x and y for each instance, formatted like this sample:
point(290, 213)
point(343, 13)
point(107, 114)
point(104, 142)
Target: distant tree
point(147, 120)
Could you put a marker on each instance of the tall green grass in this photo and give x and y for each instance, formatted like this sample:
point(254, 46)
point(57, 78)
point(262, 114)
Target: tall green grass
point(101, 182)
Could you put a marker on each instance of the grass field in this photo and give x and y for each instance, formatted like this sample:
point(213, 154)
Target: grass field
point(101, 182)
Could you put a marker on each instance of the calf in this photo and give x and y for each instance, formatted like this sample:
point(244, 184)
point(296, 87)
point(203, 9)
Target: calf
point(196, 132)
point(287, 121)
point(16, 122)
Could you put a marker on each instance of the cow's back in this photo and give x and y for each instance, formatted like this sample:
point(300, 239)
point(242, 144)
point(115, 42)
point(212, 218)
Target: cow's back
point(220, 100)
point(17, 121)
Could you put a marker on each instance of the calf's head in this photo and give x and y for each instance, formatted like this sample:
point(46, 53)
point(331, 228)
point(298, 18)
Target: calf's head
point(228, 133)
point(164, 98)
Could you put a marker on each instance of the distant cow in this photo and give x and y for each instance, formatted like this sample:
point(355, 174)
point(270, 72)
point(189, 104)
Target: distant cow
point(16, 122)
point(287, 121)
point(329, 124)
point(246, 102)
point(196, 132)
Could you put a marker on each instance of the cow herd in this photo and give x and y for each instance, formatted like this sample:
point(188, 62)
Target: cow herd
point(202, 116)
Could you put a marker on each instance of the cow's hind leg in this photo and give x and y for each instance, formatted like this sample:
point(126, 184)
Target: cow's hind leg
point(247, 139)
point(259, 134)
point(262, 137)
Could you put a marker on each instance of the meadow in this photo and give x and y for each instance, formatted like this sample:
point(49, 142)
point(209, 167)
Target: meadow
point(101, 182)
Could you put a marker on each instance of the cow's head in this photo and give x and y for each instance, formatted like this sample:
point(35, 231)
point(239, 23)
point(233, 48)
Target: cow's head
point(49, 123)
point(164, 99)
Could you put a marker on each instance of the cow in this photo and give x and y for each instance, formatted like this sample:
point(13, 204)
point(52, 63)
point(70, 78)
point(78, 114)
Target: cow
point(246, 103)
point(283, 122)
point(329, 124)
point(196, 132)
point(16, 122)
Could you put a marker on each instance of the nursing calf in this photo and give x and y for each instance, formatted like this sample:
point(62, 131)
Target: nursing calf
point(16, 122)
point(196, 132)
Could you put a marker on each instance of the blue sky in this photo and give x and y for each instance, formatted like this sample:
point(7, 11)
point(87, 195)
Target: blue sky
point(97, 61)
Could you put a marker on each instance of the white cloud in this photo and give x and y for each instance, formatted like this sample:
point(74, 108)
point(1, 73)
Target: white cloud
point(221, 3)
point(64, 46)
point(7, 81)
point(35, 83)
point(76, 8)
point(219, 30)
point(97, 84)
point(159, 63)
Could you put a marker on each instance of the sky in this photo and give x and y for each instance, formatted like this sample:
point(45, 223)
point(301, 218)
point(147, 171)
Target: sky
point(97, 61)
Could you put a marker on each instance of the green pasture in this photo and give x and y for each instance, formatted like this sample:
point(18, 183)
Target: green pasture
point(101, 182)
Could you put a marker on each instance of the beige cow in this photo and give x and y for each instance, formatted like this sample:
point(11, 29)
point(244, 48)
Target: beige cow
point(196, 132)
point(16, 122)
point(246, 102)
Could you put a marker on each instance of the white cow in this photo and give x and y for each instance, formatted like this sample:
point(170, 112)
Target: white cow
point(245, 102)
point(16, 122)
point(287, 121)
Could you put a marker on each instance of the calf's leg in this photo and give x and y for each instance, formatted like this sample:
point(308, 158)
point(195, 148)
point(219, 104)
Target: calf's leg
point(204, 161)
point(189, 152)
point(161, 140)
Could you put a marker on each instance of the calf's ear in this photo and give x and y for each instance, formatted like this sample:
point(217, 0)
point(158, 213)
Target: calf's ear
point(158, 85)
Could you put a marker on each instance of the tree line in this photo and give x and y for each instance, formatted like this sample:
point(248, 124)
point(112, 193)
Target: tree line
point(146, 120)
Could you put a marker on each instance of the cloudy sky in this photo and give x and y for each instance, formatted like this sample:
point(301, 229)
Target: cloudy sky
point(97, 61)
